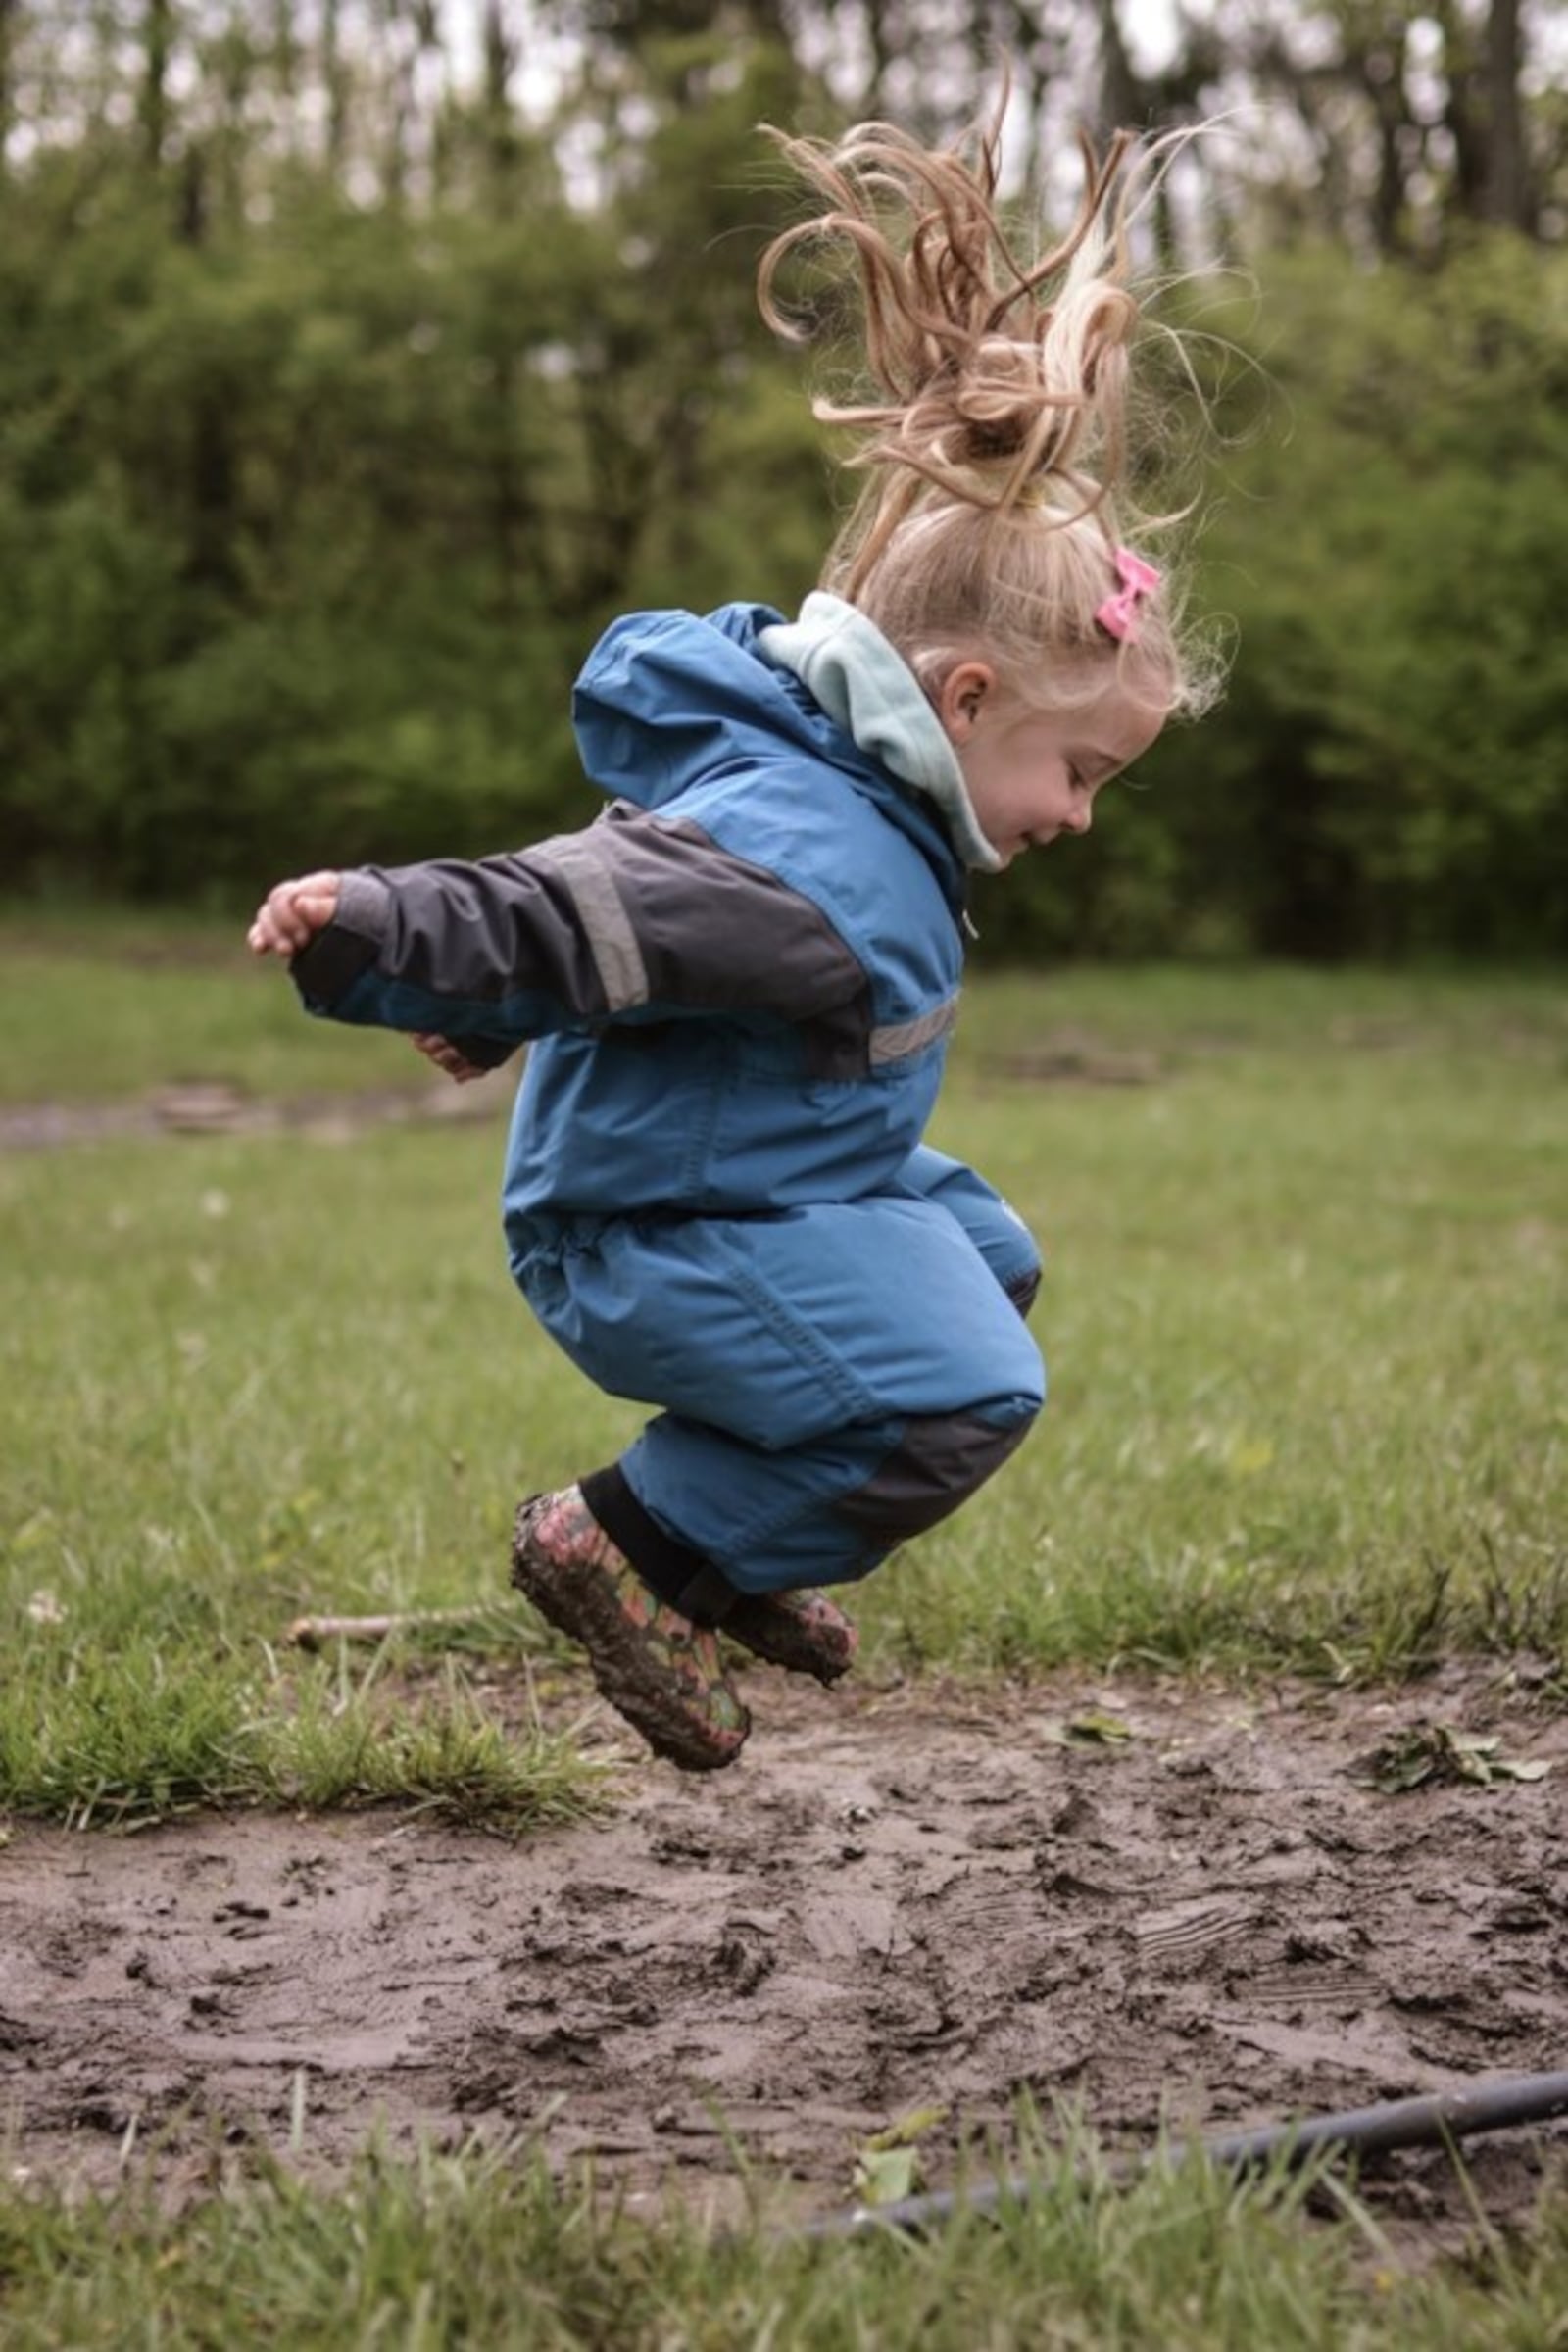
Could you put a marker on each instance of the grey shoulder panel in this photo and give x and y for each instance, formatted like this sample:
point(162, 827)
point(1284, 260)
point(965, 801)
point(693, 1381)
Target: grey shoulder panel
point(713, 931)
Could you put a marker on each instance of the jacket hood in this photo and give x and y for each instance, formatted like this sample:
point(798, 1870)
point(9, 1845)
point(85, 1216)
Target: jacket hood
point(848, 665)
point(665, 699)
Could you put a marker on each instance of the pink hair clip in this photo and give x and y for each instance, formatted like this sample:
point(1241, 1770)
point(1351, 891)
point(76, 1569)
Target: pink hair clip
point(1118, 614)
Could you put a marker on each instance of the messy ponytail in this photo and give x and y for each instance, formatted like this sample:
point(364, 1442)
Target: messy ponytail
point(995, 430)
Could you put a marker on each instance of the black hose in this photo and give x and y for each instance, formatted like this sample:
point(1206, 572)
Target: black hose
point(1369, 2131)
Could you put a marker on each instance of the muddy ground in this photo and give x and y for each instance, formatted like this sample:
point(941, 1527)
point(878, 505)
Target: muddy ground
point(900, 1897)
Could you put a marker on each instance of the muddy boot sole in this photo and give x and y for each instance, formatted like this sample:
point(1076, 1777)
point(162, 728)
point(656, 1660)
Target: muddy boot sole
point(814, 1638)
point(583, 1603)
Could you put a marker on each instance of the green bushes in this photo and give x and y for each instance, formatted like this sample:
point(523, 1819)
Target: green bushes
point(1389, 771)
point(307, 522)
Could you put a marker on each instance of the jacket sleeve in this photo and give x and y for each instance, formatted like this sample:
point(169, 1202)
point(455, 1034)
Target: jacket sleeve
point(636, 920)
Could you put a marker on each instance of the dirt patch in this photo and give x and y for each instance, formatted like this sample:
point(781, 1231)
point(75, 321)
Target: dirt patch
point(216, 1107)
point(899, 1899)
point(213, 1107)
point(1074, 1056)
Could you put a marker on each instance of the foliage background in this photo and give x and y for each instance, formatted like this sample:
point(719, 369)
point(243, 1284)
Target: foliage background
point(349, 384)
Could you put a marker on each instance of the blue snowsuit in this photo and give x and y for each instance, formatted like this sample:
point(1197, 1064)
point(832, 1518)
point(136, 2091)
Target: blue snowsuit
point(741, 979)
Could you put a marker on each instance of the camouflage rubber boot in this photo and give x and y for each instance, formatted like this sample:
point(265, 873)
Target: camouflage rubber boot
point(803, 1631)
point(656, 1668)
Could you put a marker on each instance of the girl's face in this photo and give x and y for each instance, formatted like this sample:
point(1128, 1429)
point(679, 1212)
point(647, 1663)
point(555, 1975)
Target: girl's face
point(1033, 774)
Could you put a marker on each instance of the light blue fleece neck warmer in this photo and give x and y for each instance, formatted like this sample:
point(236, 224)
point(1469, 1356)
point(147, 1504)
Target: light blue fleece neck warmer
point(844, 660)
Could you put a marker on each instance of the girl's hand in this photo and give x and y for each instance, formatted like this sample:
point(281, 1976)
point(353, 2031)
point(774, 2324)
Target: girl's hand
point(445, 1057)
point(289, 916)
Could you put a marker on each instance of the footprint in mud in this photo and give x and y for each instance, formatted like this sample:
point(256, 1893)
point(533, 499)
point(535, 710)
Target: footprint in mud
point(869, 1916)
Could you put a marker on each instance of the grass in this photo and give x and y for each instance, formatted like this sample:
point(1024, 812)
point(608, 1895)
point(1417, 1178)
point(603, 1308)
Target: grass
point(128, 1739)
point(118, 1003)
point(1304, 1311)
point(483, 2248)
point(1304, 1317)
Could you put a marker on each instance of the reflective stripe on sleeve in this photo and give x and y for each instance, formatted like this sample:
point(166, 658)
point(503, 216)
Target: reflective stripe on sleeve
point(580, 862)
point(896, 1039)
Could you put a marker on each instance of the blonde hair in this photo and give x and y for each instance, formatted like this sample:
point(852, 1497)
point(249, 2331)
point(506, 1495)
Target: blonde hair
point(996, 435)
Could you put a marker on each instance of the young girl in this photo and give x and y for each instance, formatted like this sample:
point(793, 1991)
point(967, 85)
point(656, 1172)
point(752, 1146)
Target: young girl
point(743, 974)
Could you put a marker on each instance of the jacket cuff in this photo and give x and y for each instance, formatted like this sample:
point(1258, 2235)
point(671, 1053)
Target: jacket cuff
point(348, 945)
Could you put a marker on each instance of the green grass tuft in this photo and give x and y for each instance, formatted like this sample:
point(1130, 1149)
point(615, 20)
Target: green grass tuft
point(482, 2247)
point(442, 1754)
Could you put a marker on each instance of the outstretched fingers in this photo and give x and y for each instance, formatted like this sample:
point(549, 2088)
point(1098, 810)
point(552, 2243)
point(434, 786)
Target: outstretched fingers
point(445, 1057)
point(291, 914)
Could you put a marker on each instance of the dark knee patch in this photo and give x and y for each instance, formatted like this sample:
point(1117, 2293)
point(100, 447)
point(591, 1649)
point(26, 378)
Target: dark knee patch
point(937, 1463)
point(1024, 1290)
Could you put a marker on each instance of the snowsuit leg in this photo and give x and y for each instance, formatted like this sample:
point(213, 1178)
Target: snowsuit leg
point(836, 1377)
point(997, 1231)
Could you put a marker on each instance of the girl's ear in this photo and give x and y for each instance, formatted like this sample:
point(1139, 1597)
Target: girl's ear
point(964, 694)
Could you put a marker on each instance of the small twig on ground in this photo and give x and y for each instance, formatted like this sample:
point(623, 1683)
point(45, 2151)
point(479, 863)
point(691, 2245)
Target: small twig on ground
point(311, 1633)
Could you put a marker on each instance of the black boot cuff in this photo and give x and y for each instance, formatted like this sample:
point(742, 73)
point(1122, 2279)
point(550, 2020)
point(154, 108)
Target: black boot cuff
point(678, 1576)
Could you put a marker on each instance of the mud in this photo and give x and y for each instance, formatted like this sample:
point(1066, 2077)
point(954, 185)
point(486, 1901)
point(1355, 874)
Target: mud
point(215, 1107)
point(901, 1898)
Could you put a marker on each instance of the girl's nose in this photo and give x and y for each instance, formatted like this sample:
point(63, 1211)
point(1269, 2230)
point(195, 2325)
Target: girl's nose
point(1079, 819)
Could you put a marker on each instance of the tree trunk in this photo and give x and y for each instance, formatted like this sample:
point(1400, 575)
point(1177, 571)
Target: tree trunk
point(1464, 113)
point(157, 33)
point(1123, 102)
point(500, 129)
point(335, 77)
point(1504, 195)
point(285, 54)
point(209, 536)
point(8, 37)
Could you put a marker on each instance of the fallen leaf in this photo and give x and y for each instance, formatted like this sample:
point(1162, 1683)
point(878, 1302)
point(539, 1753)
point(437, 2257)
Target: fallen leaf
point(888, 2164)
point(1435, 1752)
point(1098, 1731)
point(885, 2176)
